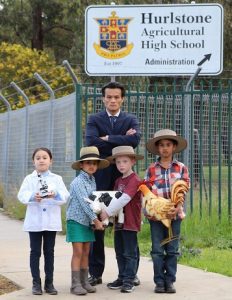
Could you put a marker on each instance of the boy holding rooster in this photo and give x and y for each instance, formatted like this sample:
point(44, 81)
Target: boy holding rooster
point(161, 175)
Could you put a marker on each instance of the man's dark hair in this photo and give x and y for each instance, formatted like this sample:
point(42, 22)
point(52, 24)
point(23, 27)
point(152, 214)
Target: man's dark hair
point(113, 85)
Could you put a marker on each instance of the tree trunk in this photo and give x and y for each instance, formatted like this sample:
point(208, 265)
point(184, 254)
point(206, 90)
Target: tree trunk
point(37, 27)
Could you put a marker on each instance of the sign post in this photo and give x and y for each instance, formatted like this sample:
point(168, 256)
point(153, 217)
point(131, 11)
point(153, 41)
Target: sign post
point(154, 40)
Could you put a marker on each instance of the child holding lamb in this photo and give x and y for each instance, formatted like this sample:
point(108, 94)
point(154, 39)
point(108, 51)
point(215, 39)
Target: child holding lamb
point(79, 216)
point(125, 238)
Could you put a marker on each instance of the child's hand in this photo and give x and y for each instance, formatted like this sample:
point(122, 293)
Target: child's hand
point(103, 215)
point(98, 225)
point(38, 198)
point(51, 194)
point(151, 218)
point(172, 213)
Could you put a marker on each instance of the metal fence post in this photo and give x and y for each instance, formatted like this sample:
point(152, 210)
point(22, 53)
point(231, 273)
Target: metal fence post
point(67, 66)
point(45, 85)
point(79, 131)
point(21, 92)
point(4, 100)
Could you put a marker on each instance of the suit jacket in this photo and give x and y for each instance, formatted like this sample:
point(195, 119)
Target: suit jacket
point(99, 125)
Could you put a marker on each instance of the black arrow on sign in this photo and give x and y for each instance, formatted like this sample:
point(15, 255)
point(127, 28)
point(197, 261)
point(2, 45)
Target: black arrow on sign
point(207, 57)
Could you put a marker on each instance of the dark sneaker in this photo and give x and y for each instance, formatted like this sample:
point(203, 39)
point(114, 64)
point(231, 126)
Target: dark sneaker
point(136, 281)
point(159, 288)
point(94, 280)
point(115, 285)
point(170, 289)
point(127, 288)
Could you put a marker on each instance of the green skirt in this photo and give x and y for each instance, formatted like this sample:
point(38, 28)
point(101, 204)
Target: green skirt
point(78, 233)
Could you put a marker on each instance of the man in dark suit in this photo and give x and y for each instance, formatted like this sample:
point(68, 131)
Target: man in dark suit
point(105, 130)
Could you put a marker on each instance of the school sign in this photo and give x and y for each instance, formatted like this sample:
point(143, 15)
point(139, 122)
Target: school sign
point(154, 40)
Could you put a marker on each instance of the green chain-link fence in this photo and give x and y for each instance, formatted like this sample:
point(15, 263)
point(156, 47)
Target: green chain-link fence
point(202, 115)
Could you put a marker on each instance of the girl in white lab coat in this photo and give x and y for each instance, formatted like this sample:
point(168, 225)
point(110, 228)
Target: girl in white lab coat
point(43, 192)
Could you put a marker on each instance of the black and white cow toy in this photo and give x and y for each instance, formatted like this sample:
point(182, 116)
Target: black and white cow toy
point(99, 200)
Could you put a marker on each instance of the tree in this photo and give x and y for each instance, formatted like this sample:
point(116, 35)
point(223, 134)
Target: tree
point(58, 27)
point(37, 40)
point(39, 24)
point(19, 63)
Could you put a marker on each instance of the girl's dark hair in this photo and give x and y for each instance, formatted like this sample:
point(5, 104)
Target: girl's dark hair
point(43, 149)
point(173, 141)
point(114, 85)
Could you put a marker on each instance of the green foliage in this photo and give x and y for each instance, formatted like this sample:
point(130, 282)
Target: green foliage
point(210, 260)
point(20, 21)
point(63, 218)
point(62, 28)
point(205, 231)
point(19, 63)
point(14, 208)
point(205, 243)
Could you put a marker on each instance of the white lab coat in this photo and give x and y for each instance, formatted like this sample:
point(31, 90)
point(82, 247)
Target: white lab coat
point(44, 215)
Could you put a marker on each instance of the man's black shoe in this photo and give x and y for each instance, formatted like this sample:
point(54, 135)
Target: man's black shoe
point(94, 280)
point(159, 288)
point(170, 289)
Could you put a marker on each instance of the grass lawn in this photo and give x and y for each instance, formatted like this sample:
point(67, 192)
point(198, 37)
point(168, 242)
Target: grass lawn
point(205, 244)
point(211, 260)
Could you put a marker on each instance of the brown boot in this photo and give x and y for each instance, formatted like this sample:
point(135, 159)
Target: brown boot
point(85, 282)
point(76, 287)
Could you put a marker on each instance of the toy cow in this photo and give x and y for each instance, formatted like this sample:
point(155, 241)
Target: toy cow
point(99, 200)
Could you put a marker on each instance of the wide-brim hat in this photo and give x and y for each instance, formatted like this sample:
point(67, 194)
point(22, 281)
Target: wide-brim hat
point(124, 150)
point(90, 153)
point(166, 134)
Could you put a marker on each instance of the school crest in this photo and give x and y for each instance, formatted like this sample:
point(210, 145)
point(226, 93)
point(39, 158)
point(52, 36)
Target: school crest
point(113, 37)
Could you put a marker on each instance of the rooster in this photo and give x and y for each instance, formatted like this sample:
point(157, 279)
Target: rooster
point(159, 207)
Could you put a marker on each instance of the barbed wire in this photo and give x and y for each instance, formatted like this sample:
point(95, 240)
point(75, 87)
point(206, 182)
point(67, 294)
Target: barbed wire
point(32, 88)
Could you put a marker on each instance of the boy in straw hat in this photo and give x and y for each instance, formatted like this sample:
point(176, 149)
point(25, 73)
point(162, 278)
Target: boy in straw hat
point(125, 238)
point(161, 175)
point(79, 217)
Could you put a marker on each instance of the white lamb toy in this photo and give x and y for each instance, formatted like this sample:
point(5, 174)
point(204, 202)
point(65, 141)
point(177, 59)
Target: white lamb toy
point(99, 201)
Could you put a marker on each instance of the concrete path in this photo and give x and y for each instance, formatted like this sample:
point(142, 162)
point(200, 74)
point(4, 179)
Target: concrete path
point(192, 284)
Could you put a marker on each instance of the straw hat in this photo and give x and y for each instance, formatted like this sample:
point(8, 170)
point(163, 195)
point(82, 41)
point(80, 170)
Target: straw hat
point(90, 153)
point(166, 134)
point(124, 150)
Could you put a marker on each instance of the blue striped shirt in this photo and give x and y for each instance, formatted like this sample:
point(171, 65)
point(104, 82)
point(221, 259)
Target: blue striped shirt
point(78, 208)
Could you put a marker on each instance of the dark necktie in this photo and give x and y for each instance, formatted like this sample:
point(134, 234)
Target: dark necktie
point(113, 120)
